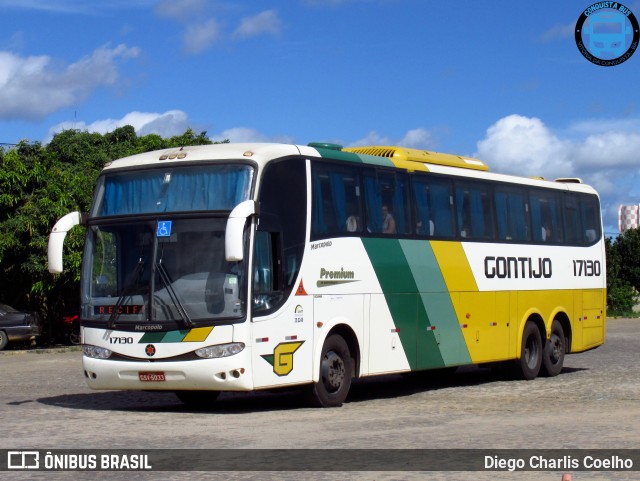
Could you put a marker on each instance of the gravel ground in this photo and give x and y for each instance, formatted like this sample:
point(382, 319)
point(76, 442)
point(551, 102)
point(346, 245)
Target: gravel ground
point(592, 404)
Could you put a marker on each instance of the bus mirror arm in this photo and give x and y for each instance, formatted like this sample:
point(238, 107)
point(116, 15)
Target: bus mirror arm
point(233, 244)
point(56, 239)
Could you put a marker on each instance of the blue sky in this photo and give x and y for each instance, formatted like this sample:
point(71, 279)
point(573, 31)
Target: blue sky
point(502, 81)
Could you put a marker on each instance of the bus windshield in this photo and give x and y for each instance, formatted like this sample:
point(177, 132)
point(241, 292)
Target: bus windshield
point(161, 271)
point(217, 187)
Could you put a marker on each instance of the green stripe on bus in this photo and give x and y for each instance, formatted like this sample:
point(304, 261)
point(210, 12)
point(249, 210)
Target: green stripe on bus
point(437, 303)
point(352, 157)
point(175, 336)
point(407, 308)
point(152, 337)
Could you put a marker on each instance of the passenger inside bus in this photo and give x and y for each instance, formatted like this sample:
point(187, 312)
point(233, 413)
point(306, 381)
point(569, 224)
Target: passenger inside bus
point(388, 222)
point(353, 224)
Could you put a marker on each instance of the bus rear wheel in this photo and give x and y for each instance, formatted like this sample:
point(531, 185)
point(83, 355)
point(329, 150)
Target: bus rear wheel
point(336, 370)
point(528, 365)
point(554, 351)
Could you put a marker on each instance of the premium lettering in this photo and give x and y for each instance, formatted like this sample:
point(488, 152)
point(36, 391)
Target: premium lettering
point(341, 274)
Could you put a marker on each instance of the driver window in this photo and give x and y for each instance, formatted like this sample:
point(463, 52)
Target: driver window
point(263, 265)
point(265, 283)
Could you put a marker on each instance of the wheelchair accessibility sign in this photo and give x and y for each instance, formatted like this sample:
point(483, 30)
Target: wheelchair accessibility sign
point(164, 228)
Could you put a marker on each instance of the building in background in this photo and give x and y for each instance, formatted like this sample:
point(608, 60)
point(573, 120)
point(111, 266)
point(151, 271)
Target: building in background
point(628, 217)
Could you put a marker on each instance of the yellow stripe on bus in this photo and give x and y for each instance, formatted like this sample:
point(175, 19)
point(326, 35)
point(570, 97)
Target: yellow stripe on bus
point(455, 266)
point(198, 334)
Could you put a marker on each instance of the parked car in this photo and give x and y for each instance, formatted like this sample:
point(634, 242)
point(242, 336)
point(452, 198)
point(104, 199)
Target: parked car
point(71, 328)
point(18, 325)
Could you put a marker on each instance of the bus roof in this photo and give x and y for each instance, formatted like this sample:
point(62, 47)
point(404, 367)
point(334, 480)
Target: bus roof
point(389, 156)
point(403, 157)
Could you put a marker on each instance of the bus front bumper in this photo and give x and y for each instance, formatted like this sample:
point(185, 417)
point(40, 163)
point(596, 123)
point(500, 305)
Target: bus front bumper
point(224, 374)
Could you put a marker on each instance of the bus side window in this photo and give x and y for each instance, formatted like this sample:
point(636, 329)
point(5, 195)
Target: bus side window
point(387, 203)
point(474, 211)
point(545, 216)
point(512, 215)
point(589, 209)
point(336, 201)
point(572, 220)
point(425, 227)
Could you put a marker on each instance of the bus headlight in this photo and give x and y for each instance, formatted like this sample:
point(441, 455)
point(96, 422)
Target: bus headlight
point(96, 352)
point(221, 350)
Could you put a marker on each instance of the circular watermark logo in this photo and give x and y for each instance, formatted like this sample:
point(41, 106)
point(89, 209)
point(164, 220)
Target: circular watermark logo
point(607, 33)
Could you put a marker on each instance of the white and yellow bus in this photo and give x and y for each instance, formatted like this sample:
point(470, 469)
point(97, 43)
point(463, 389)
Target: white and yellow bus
point(238, 267)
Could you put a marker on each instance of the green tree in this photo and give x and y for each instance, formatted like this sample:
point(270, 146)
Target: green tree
point(623, 271)
point(38, 185)
point(628, 252)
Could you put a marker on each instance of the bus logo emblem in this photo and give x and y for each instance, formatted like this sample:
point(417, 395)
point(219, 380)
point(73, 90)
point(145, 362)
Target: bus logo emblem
point(607, 33)
point(150, 350)
point(282, 357)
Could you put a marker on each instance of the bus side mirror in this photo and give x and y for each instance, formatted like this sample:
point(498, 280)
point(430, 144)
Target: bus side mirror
point(56, 240)
point(233, 244)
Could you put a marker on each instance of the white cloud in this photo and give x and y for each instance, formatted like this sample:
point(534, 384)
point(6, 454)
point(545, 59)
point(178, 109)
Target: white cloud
point(525, 146)
point(198, 38)
point(32, 88)
point(264, 23)
point(372, 138)
point(181, 10)
point(204, 23)
point(167, 124)
point(415, 139)
point(604, 157)
point(558, 32)
point(245, 134)
point(79, 7)
point(418, 139)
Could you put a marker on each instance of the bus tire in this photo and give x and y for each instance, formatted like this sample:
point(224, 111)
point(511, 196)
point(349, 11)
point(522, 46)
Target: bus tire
point(554, 351)
point(528, 365)
point(198, 399)
point(336, 368)
point(4, 340)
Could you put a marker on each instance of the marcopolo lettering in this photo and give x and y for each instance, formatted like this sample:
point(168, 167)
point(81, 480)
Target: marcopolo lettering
point(517, 267)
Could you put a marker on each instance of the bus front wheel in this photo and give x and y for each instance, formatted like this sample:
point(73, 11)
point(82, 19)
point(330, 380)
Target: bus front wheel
point(336, 369)
point(528, 365)
point(554, 350)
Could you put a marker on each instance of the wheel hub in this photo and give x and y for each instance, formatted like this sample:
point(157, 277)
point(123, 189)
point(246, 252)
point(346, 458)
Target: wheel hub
point(332, 371)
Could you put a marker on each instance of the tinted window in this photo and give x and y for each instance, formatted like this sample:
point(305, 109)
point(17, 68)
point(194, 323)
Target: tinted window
point(434, 211)
point(336, 201)
point(590, 217)
point(386, 203)
point(512, 215)
point(474, 211)
point(283, 208)
point(546, 216)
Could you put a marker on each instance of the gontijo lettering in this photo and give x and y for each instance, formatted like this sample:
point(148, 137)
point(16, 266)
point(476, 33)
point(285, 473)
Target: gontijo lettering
point(517, 267)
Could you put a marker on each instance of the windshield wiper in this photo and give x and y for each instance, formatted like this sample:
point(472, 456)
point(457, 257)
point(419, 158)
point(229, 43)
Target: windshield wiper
point(166, 280)
point(128, 286)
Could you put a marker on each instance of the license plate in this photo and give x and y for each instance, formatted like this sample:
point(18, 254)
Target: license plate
point(151, 376)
